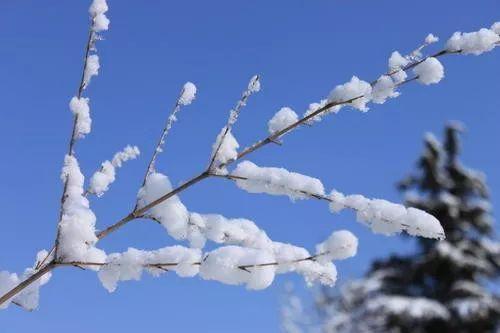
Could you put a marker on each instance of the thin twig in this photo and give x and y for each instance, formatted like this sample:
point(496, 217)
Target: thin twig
point(72, 140)
point(161, 141)
point(233, 117)
point(139, 213)
point(22, 285)
point(249, 150)
point(308, 194)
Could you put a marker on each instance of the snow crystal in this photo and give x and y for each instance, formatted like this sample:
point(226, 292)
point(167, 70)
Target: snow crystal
point(77, 226)
point(171, 213)
point(352, 89)
point(429, 71)
point(276, 181)
point(188, 94)
point(281, 120)
point(225, 265)
point(340, 245)
point(476, 42)
point(227, 150)
point(383, 89)
point(80, 108)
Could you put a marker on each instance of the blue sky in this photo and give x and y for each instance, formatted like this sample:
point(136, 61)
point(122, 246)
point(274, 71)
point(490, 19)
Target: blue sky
point(302, 49)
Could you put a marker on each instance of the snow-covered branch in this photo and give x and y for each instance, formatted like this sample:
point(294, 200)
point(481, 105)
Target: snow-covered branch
point(246, 255)
point(226, 147)
point(380, 215)
point(105, 176)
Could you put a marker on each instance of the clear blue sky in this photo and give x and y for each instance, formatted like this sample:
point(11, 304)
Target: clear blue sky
point(302, 48)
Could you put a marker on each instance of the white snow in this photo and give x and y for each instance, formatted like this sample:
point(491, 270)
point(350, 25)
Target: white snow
point(227, 150)
point(77, 226)
point(7, 282)
point(101, 179)
point(313, 272)
point(495, 27)
point(98, 7)
point(80, 108)
point(130, 265)
point(429, 71)
point(292, 258)
point(431, 39)
point(340, 245)
point(28, 298)
point(414, 307)
point(128, 153)
point(396, 65)
point(188, 93)
point(472, 308)
point(101, 23)
point(397, 61)
point(254, 84)
point(281, 120)
point(313, 107)
point(476, 42)
point(171, 213)
point(355, 88)
point(91, 68)
point(276, 181)
point(383, 89)
point(221, 230)
point(388, 218)
point(223, 265)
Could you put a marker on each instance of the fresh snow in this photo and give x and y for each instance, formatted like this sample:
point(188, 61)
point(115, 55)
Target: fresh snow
point(282, 119)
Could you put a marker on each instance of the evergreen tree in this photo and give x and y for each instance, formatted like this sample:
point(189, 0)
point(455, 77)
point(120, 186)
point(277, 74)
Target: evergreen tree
point(446, 286)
